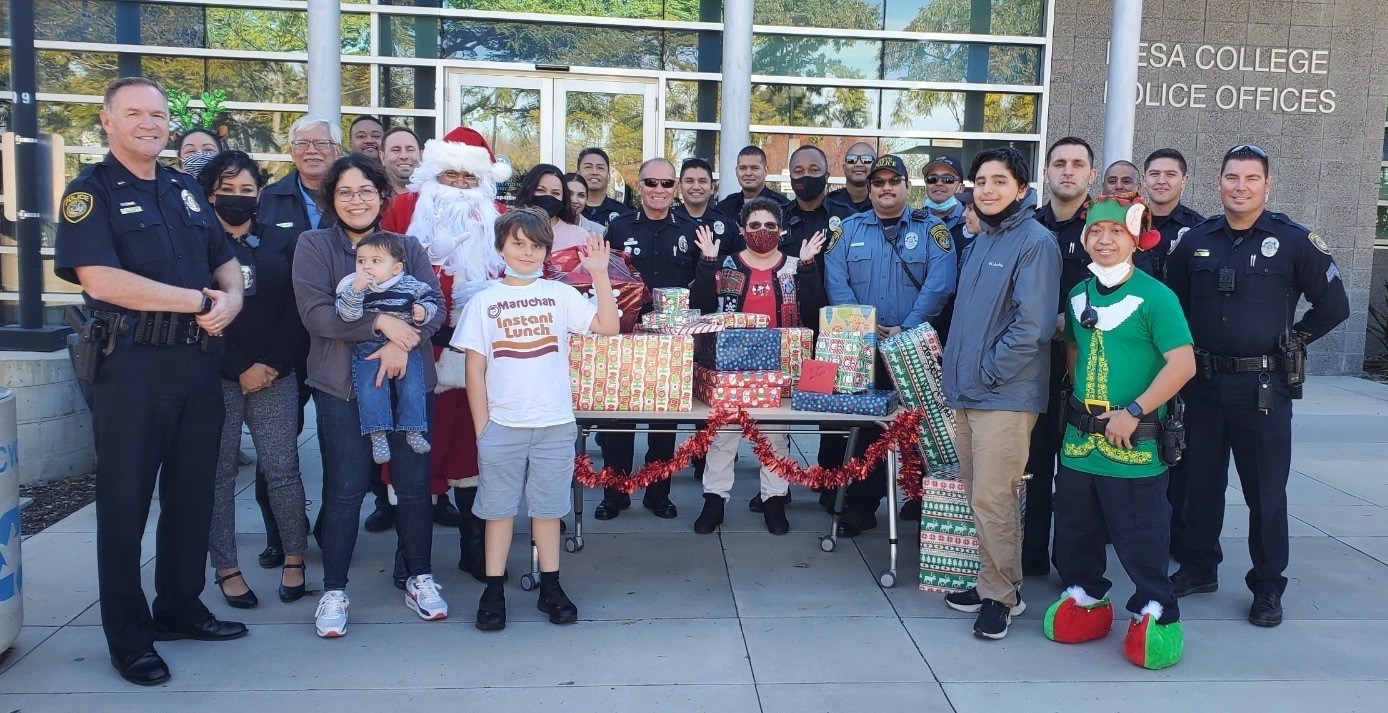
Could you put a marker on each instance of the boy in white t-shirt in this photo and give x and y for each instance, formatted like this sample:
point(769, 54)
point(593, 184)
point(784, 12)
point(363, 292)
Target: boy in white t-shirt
point(516, 336)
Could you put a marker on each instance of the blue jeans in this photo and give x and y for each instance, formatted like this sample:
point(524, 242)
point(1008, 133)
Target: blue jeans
point(374, 403)
point(346, 477)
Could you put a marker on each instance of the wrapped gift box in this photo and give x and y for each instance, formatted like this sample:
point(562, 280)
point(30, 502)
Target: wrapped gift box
point(671, 318)
point(631, 372)
point(744, 396)
point(670, 299)
point(797, 345)
point(854, 355)
point(738, 320)
point(695, 328)
point(860, 319)
point(739, 350)
point(771, 378)
point(873, 402)
point(949, 539)
point(913, 360)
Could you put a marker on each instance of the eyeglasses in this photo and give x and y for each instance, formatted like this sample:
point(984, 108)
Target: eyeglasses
point(770, 225)
point(893, 181)
point(345, 195)
point(948, 180)
point(451, 176)
point(302, 144)
point(1249, 148)
point(862, 159)
point(661, 182)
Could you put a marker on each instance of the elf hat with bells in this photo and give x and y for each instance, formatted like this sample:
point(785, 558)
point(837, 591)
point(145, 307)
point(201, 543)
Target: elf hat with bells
point(1128, 210)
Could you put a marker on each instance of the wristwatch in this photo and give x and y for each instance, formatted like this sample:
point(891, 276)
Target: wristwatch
point(206, 305)
point(1134, 409)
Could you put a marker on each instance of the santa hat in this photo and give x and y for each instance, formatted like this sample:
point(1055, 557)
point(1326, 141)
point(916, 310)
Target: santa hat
point(463, 149)
point(1127, 210)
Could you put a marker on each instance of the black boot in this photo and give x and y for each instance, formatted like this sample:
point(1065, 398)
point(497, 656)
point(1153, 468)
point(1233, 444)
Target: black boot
point(491, 609)
point(472, 535)
point(554, 602)
point(712, 515)
point(774, 512)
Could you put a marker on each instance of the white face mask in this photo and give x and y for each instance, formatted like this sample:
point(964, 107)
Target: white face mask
point(1111, 276)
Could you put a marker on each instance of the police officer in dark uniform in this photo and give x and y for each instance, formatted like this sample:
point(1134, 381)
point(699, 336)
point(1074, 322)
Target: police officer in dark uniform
point(660, 242)
point(751, 173)
point(857, 165)
point(594, 167)
point(156, 269)
point(1239, 277)
point(1069, 173)
point(1164, 177)
point(810, 213)
point(696, 202)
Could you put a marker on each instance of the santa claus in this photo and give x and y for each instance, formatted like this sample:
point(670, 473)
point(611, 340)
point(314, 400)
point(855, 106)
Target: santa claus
point(451, 208)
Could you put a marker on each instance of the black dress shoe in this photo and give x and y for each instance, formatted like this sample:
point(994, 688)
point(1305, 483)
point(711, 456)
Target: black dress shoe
point(1185, 582)
point(271, 557)
point(910, 511)
point(382, 519)
point(1266, 610)
point(213, 629)
point(755, 504)
point(491, 612)
point(445, 514)
point(852, 523)
point(244, 600)
point(711, 516)
point(142, 668)
point(293, 594)
point(774, 512)
point(661, 507)
point(611, 507)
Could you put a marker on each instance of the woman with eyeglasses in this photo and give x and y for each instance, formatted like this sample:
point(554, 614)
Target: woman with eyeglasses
point(258, 383)
point(357, 187)
point(544, 187)
point(762, 280)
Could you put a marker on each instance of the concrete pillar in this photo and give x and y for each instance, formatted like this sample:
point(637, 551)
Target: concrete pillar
point(1121, 100)
point(325, 59)
point(736, 91)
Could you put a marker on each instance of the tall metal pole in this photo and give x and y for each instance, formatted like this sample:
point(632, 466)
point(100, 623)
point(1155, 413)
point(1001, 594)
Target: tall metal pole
point(325, 59)
point(737, 91)
point(1121, 109)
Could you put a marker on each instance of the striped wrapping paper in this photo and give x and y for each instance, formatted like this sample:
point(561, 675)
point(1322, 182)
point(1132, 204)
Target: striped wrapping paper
point(949, 539)
point(913, 359)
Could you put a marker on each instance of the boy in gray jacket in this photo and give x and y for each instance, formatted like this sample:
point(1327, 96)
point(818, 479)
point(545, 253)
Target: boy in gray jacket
point(996, 365)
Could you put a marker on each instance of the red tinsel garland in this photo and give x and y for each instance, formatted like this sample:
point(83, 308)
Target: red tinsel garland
point(902, 433)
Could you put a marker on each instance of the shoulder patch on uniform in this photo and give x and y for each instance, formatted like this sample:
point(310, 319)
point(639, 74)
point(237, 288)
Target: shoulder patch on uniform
point(940, 234)
point(1319, 242)
point(77, 206)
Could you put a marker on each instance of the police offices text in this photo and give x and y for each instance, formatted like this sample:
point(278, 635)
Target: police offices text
point(1226, 58)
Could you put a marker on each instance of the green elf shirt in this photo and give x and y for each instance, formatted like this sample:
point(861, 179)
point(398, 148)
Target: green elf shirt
point(1138, 322)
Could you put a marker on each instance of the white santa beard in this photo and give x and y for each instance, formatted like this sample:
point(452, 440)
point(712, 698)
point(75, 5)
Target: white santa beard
point(458, 226)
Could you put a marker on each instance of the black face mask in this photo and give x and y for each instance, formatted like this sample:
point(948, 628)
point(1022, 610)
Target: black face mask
point(549, 204)
point(235, 210)
point(997, 219)
point(808, 188)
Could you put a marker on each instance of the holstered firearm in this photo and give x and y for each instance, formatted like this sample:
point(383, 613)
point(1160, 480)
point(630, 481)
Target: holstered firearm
point(1171, 443)
point(1293, 353)
point(94, 341)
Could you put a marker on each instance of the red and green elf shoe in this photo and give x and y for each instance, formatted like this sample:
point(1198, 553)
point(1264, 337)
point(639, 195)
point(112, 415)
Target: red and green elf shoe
point(1078, 618)
point(1152, 645)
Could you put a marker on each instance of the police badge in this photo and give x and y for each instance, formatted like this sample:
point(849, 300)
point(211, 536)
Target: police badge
point(718, 227)
point(910, 241)
point(684, 244)
point(190, 202)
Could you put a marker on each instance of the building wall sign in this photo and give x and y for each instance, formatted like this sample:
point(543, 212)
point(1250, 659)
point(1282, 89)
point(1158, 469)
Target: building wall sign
point(1237, 61)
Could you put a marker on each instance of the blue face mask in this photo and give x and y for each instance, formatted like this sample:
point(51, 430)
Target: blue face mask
point(942, 206)
point(524, 276)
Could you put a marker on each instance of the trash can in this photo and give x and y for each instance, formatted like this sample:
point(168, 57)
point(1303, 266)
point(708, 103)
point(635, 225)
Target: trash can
point(11, 579)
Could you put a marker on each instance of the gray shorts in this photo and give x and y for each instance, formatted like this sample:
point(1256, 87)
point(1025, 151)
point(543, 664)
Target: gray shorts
point(538, 460)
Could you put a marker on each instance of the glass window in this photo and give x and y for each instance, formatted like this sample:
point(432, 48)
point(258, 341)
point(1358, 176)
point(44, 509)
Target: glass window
point(63, 72)
point(838, 14)
point(918, 152)
point(1381, 234)
point(356, 85)
point(78, 124)
point(682, 101)
point(683, 143)
point(1004, 17)
point(68, 21)
point(263, 30)
point(635, 9)
point(681, 51)
point(793, 105)
point(552, 44)
point(1383, 180)
point(260, 131)
point(797, 56)
point(187, 74)
point(4, 69)
point(397, 87)
point(172, 25)
point(260, 80)
point(951, 62)
point(924, 110)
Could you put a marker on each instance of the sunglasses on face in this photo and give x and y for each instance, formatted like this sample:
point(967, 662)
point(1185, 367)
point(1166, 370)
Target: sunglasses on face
point(661, 182)
point(862, 159)
point(1247, 147)
point(946, 179)
point(893, 181)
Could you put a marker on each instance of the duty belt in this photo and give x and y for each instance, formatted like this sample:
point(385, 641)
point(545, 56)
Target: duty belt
point(1078, 415)
point(160, 329)
point(1214, 364)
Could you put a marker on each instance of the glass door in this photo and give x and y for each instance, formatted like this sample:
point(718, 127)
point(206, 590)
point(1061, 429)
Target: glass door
point(535, 118)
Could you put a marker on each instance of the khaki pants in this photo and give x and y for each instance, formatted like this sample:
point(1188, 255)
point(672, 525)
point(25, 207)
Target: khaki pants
point(992, 448)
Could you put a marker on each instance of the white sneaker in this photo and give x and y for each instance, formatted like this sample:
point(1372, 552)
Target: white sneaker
point(422, 595)
point(331, 617)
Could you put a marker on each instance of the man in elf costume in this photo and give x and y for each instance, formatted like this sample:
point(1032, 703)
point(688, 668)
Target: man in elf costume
point(1129, 352)
point(451, 208)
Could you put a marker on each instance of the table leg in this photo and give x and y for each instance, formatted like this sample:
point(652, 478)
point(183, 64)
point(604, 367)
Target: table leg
point(828, 542)
point(574, 542)
point(888, 578)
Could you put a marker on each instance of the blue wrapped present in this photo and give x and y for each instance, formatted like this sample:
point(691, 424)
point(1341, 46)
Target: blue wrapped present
point(873, 402)
point(739, 350)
